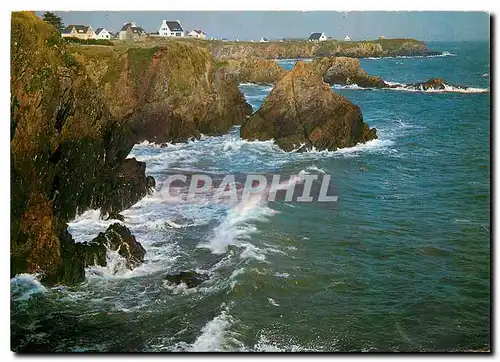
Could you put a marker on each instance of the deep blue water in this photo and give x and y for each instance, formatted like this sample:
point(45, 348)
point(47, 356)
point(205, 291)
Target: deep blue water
point(400, 263)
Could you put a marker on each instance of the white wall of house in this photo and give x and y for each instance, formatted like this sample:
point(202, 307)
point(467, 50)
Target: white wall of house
point(195, 34)
point(104, 34)
point(322, 37)
point(165, 31)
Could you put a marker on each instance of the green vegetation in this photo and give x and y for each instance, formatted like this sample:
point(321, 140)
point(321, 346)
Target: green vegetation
point(90, 41)
point(140, 59)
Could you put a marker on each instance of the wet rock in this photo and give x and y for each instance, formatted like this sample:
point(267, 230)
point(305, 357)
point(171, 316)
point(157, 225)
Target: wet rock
point(126, 186)
point(434, 83)
point(303, 110)
point(116, 238)
point(190, 278)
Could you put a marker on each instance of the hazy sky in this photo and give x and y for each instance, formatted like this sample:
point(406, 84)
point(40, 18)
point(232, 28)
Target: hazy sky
point(425, 26)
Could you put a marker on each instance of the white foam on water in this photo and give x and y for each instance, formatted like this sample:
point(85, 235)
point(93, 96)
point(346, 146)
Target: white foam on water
point(272, 302)
point(238, 226)
point(24, 285)
point(442, 55)
point(396, 86)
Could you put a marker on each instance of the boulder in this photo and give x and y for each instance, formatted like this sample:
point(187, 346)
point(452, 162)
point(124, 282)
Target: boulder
point(118, 238)
point(302, 110)
point(190, 278)
point(346, 71)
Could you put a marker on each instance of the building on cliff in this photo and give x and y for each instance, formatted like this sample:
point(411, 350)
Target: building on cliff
point(171, 28)
point(102, 33)
point(197, 33)
point(317, 37)
point(130, 31)
point(78, 31)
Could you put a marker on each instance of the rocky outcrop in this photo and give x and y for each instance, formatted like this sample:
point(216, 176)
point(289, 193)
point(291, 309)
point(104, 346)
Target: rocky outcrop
point(65, 145)
point(116, 238)
point(346, 71)
point(190, 278)
point(303, 110)
point(254, 70)
point(305, 49)
point(431, 84)
point(75, 116)
point(171, 93)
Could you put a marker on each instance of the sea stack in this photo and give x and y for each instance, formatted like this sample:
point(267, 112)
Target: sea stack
point(302, 110)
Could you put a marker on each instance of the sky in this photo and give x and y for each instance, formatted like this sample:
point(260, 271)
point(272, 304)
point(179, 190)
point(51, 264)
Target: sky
point(246, 25)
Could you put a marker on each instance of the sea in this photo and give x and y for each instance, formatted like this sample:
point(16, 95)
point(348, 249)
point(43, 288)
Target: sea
point(401, 262)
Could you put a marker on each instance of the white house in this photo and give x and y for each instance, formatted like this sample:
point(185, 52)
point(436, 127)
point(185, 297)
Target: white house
point(171, 28)
point(347, 38)
point(264, 40)
point(317, 37)
point(197, 33)
point(101, 33)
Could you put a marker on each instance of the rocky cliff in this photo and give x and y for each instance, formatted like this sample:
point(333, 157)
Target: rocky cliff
point(76, 114)
point(302, 111)
point(170, 93)
point(305, 49)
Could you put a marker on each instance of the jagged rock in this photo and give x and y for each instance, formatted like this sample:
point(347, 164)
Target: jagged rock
point(434, 83)
point(254, 70)
point(118, 238)
point(303, 110)
point(345, 71)
point(127, 186)
point(190, 278)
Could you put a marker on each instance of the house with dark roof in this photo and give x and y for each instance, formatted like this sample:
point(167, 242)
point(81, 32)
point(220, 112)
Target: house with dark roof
point(317, 37)
point(101, 33)
point(78, 31)
point(264, 40)
point(197, 33)
point(171, 28)
point(131, 31)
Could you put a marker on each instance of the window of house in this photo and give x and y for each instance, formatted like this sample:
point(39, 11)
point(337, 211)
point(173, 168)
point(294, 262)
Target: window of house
point(177, 34)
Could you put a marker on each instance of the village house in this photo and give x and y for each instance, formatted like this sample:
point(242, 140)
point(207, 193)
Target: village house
point(317, 37)
point(130, 31)
point(83, 32)
point(171, 28)
point(101, 33)
point(264, 40)
point(197, 33)
point(347, 38)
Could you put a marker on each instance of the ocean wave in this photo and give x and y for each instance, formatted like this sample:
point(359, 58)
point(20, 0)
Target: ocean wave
point(24, 285)
point(443, 54)
point(395, 86)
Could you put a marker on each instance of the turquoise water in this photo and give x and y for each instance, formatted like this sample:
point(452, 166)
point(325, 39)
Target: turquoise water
point(400, 263)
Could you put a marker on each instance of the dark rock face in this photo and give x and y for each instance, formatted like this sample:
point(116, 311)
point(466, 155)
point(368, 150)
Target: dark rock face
point(117, 238)
point(68, 153)
point(346, 71)
point(190, 278)
point(303, 110)
point(126, 187)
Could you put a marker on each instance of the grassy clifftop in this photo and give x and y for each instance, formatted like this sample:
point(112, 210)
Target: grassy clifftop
point(298, 48)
